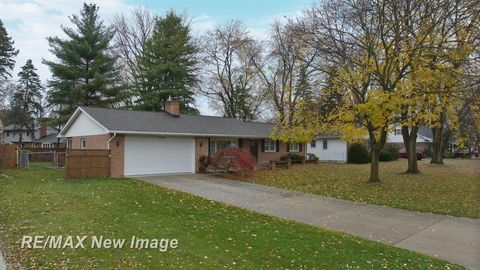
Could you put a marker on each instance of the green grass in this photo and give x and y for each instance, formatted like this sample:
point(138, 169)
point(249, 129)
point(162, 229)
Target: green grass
point(211, 235)
point(452, 189)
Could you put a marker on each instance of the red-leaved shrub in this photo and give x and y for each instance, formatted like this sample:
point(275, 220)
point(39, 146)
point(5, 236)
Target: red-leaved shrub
point(233, 160)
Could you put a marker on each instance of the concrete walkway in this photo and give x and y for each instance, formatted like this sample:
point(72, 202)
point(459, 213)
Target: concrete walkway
point(3, 265)
point(450, 238)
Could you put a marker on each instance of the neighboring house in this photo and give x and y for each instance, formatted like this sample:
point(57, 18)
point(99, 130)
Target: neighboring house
point(329, 148)
point(332, 148)
point(42, 132)
point(143, 143)
point(424, 138)
point(50, 142)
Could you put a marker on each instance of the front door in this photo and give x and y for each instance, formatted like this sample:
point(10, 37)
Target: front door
point(254, 149)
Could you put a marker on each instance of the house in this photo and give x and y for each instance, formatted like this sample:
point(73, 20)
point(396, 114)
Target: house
point(424, 138)
point(143, 143)
point(329, 148)
point(44, 136)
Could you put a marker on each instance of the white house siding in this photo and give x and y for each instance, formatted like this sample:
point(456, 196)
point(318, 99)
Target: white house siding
point(336, 150)
point(84, 126)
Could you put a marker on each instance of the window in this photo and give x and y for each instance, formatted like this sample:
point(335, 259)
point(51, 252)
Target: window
point(270, 146)
point(218, 144)
point(47, 145)
point(397, 131)
point(294, 147)
point(313, 144)
point(325, 144)
point(8, 133)
point(83, 144)
point(69, 144)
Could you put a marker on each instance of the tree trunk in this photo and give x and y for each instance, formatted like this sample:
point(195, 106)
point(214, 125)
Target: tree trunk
point(410, 141)
point(374, 165)
point(412, 158)
point(437, 144)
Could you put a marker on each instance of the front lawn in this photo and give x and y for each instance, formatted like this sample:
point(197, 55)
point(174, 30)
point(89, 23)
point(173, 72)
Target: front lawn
point(211, 235)
point(452, 189)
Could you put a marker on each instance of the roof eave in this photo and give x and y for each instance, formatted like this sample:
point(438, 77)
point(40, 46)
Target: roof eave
point(189, 134)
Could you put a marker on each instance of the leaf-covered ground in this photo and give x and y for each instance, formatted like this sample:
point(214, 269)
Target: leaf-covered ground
point(211, 235)
point(452, 189)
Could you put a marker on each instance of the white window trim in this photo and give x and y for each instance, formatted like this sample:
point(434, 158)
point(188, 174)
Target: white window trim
point(47, 145)
point(267, 146)
point(294, 149)
point(233, 143)
point(83, 143)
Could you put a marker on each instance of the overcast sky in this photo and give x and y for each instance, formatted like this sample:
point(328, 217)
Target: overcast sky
point(30, 22)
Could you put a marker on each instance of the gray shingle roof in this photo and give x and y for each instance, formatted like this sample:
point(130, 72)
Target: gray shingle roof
point(162, 122)
point(426, 132)
point(49, 138)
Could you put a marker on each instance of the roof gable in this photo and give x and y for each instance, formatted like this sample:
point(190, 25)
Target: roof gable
point(82, 124)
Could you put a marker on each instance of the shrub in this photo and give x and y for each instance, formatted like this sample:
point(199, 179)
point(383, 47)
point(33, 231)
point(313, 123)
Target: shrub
point(393, 151)
point(233, 160)
point(205, 161)
point(312, 157)
point(292, 157)
point(357, 153)
point(385, 156)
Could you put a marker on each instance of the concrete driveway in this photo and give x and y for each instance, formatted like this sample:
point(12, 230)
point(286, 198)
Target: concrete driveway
point(450, 238)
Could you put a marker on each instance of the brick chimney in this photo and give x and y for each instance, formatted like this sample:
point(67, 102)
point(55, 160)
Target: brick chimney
point(172, 106)
point(43, 129)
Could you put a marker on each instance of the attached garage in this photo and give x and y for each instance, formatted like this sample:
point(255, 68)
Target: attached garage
point(146, 155)
point(329, 149)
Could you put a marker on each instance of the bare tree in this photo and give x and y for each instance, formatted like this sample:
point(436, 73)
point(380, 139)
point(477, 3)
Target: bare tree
point(285, 64)
point(132, 34)
point(231, 80)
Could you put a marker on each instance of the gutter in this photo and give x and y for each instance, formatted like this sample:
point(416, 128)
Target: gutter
point(113, 137)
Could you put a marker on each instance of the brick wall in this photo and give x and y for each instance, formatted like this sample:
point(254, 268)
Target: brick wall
point(92, 142)
point(266, 157)
point(117, 150)
point(201, 149)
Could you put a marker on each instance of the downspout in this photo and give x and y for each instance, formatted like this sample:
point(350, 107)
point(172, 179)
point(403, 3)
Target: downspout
point(113, 137)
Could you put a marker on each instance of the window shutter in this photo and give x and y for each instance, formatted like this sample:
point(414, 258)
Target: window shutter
point(262, 145)
point(208, 146)
point(288, 147)
point(277, 146)
point(240, 143)
point(300, 147)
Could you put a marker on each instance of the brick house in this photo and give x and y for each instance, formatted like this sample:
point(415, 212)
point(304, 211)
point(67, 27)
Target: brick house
point(143, 143)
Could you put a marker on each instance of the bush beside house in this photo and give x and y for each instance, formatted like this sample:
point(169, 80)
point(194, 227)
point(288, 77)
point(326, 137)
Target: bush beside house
point(357, 153)
point(233, 160)
point(294, 158)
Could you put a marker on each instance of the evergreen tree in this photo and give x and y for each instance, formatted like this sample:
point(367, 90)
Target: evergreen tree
point(169, 65)
point(7, 53)
point(26, 100)
point(85, 74)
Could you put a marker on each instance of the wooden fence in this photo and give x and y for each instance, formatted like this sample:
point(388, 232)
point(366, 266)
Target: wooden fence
point(87, 164)
point(8, 156)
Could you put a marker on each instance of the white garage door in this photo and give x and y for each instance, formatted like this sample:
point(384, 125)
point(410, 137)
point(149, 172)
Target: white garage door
point(156, 155)
point(331, 150)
